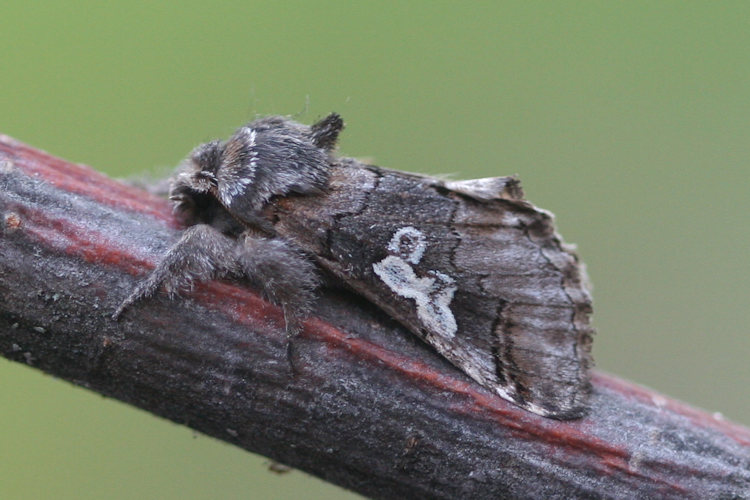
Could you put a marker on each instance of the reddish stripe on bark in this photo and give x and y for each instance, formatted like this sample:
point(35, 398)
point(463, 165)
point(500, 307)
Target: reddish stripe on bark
point(65, 236)
point(84, 180)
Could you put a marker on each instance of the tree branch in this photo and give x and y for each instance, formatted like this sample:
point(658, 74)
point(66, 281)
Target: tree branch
point(367, 406)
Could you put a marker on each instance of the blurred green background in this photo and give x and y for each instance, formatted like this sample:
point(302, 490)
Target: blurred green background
point(629, 120)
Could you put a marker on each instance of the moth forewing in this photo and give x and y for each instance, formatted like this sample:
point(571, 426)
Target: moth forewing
point(469, 267)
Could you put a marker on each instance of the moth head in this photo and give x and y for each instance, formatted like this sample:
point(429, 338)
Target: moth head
point(268, 157)
point(199, 172)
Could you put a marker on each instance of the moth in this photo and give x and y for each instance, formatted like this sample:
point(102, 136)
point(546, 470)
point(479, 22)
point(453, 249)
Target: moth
point(469, 267)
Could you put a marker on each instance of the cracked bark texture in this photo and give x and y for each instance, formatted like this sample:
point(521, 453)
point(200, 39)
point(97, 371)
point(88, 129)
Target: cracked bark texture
point(369, 407)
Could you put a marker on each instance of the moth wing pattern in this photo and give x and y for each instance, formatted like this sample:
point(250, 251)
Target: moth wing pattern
point(469, 266)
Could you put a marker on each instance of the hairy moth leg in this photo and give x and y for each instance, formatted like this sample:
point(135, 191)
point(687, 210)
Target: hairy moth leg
point(202, 253)
point(285, 276)
point(282, 273)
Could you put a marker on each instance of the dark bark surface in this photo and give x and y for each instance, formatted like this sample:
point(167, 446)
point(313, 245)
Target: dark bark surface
point(367, 406)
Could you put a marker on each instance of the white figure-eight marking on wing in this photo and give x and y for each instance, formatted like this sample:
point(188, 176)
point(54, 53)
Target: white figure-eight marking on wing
point(432, 292)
